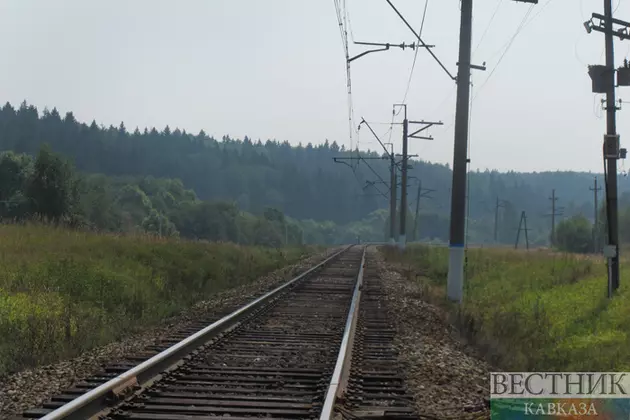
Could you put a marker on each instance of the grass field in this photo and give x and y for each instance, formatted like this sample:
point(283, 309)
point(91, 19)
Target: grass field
point(532, 310)
point(63, 292)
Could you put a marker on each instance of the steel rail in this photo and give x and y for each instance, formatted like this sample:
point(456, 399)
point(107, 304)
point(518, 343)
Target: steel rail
point(96, 400)
point(340, 373)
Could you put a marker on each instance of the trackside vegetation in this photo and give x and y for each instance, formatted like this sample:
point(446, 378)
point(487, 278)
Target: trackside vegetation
point(63, 292)
point(534, 310)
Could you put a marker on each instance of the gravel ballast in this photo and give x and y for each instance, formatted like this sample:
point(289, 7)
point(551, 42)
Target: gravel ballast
point(445, 376)
point(32, 387)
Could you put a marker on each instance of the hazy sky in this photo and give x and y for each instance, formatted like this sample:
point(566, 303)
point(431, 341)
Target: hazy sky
point(275, 69)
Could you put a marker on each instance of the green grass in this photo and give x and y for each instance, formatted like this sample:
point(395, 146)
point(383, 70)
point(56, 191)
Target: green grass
point(532, 310)
point(63, 292)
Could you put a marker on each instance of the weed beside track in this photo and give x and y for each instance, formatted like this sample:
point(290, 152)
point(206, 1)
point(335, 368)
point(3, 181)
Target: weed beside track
point(63, 292)
point(530, 310)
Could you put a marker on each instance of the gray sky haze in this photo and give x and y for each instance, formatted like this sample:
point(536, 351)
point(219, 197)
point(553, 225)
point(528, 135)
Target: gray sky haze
point(275, 69)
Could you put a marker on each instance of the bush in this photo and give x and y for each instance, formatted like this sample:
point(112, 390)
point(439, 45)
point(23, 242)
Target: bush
point(574, 235)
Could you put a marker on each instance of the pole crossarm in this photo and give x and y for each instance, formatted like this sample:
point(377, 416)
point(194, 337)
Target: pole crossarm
point(598, 24)
point(368, 183)
point(424, 45)
point(475, 66)
point(365, 159)
point(372, 183)
point(386, 46)
point(426, 125)
point(398, 163)
point(381, 193)
point(350, 60)
point(389, 155)
point(341, 160)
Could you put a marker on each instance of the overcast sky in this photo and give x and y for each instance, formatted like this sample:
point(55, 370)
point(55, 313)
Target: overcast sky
point(275, 69)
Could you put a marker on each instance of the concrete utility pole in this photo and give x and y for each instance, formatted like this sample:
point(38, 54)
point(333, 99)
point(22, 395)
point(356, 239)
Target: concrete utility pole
point(595, 190)
point(418, 197)
point(603, 78)
point(553, 199)
point(455, 282)
point(393, 203)
point(555, 212)
point(393, 197)
point(402, 239)
point(364, 159)
point(611, 158)
point(499, 204)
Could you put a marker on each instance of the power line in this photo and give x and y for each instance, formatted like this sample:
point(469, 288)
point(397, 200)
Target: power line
point(354, 172)
point(339, 18)
point(415, 55)
point(391, 126)
point(421, 41)
point(347, 16)
point(540, 11)
point(373, 171)
point(377, 137)
point(446, 98)
point(496, 66)
point(342, 22)
point(485, 32)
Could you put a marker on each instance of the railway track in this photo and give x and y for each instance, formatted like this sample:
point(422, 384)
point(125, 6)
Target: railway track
point(376, 386)
point(314, 346)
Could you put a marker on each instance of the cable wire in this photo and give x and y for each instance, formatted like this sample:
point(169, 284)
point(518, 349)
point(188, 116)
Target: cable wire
point(538, 14)
point(518, 31)
point(504, 49)
point(415, 54)
point(347, 17)
point(485, 32)
point(342, 22)
point(540, 11)
point(421, 41)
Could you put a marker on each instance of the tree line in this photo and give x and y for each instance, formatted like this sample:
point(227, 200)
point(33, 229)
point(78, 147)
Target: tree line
point(302, 182)
point(48, 188)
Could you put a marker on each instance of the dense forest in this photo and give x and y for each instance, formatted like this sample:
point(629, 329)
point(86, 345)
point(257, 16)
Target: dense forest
point(48, 188)
point(173, 182)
